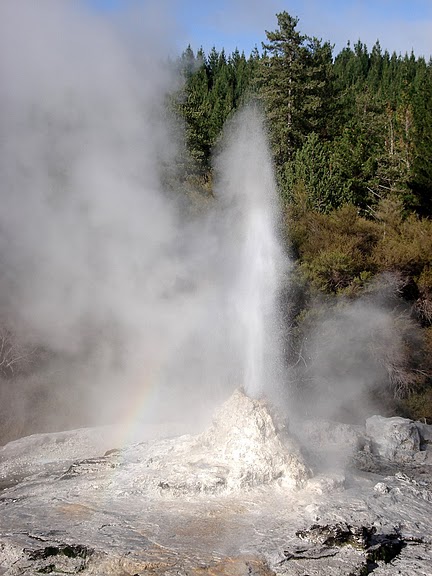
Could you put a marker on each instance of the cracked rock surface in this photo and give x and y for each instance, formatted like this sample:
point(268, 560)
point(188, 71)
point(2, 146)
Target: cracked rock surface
point(239, 499)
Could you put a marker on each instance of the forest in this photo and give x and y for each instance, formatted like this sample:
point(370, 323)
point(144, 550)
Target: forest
point(351, 137)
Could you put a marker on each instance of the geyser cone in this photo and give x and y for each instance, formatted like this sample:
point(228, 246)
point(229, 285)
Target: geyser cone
point(244, 434)
point(241, 450)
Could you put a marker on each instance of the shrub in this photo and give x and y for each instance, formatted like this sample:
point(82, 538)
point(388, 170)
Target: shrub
point(405, 244)
point(418, 406)
point(335, 250)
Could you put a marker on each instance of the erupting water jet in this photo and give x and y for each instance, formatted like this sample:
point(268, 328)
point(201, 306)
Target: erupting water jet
point(248, 194)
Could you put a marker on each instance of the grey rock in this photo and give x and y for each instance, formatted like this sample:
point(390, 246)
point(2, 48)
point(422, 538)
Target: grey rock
point(327, 433)
point(425, 431)
point(396, 439)
point(327, 483)
point(381, 488)
point(330, 444)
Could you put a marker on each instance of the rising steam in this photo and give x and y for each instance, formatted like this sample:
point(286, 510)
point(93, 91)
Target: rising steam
point(137, 309)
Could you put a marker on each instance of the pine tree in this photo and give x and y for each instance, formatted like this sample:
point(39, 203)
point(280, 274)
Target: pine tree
point(295, 84)
point(421, 179)
point(281, 78)
point(194, 107)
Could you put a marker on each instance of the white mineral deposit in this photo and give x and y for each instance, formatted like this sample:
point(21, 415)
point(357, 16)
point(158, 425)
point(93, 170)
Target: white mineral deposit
point(239, 498)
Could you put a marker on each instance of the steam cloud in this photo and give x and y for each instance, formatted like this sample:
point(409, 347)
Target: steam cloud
point(135, 304)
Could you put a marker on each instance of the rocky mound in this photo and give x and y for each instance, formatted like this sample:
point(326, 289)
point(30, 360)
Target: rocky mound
point(242, 449)
point(244, 436)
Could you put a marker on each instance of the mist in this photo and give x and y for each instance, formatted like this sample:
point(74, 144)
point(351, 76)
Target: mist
point(356, 356)
point(139, 311)
point(83, 226)
point(128, 305)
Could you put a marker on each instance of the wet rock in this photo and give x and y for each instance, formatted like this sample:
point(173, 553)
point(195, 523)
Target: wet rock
point(377, 548)
point(237, 566)
point(425, 431)
point(51, 559)
point(395, 438)
point(338, 534)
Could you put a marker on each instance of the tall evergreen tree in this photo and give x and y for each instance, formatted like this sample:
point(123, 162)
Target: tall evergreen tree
point(294, 78)
point(281, 79)
point(421, 179)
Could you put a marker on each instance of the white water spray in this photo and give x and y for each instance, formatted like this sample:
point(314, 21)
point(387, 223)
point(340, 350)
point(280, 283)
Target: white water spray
point(248, 189)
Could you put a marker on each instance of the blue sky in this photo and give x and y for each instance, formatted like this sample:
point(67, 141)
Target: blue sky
point(400, 25)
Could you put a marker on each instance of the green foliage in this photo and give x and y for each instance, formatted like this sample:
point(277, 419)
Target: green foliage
point(213, 87)
point(424, 282)
point(406, 243)
point(294, 80)
point(355, 129)
point(421, 175)
point(418, 406)
point(340, 251)
point(335, 250)
point(313, 170)
point(281, 83)
point(385, 121)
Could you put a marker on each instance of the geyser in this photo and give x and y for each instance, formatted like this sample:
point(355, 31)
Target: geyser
point(248, 195)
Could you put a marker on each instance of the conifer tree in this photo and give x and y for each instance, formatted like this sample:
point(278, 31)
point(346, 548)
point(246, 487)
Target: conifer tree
point(421, 179)
point(281, 79)
point(294, 79)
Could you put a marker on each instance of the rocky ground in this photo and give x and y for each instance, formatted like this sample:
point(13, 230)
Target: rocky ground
point(243, 498)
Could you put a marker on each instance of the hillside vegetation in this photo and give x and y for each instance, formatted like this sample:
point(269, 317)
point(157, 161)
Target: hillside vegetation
point(351, 137)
